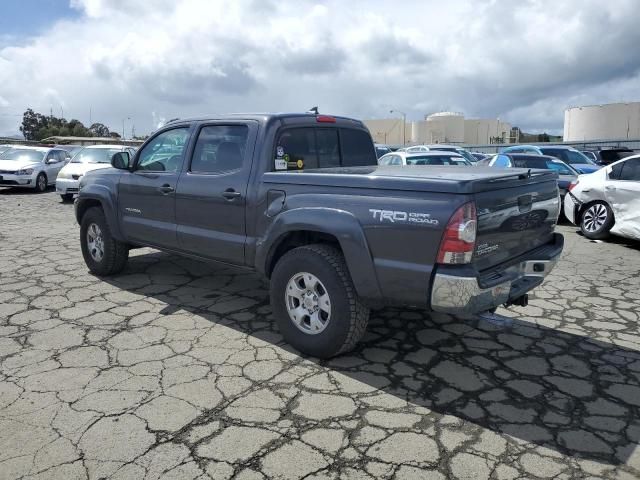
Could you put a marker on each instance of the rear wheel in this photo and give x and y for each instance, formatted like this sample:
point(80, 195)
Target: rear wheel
point(41, 182)
point(103, 254)
point(315, 303)
point(596, 220)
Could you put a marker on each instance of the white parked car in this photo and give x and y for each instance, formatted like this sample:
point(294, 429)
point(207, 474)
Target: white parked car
point(31, 167)
point(423, 158)
point(607, 201)
point(89, 158)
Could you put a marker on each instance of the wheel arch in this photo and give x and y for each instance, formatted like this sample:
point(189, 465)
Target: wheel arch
point(305, 226)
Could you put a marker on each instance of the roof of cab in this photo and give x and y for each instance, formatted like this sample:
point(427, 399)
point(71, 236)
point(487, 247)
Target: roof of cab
point(260, 117)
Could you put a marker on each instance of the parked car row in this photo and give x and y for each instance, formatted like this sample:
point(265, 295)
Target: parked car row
point(600, 192)
point(39, 167)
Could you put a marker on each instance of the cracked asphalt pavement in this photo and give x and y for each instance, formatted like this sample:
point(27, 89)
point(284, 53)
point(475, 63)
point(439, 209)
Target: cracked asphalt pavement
point(174, 369)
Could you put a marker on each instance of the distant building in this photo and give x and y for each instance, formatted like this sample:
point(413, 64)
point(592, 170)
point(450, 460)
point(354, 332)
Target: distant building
point(91, 141)
point(613, 121)
point(441, 127)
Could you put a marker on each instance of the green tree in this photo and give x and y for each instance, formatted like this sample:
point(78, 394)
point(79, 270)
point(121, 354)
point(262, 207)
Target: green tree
point(114, 134)
point(32, 123)
point(99, 130)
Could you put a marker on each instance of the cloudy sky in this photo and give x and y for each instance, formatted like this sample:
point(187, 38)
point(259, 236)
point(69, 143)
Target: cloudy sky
point(150, 60)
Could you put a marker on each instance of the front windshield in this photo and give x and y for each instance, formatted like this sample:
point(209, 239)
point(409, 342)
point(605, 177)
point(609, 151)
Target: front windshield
point(21, 154)
point(436, 160)
point(95, 155)
point(572, 157)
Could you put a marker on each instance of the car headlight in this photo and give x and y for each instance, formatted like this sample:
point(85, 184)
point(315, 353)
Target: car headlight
point(25, 171)
point(62, 174)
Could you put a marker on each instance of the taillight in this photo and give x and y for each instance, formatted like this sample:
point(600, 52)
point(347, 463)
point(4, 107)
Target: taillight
point(325, 119)
point(459, 239)
point(572, 185)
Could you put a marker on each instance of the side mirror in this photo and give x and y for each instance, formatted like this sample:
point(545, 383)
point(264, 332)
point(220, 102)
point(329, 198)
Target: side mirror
point(120, 160)
point(51, 160)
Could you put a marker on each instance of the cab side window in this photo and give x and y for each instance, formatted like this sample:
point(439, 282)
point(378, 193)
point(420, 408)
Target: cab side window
point(164, 152)
point(357, 148)
point(219, 149)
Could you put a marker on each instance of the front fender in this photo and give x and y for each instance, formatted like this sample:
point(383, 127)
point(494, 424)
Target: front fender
point(103, 194)
point(338, 223)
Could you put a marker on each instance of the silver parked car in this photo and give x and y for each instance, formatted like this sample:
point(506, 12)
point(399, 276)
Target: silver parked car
point(31, 167)
point(422, 158)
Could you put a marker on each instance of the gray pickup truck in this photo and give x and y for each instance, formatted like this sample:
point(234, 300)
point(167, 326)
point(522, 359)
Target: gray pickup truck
point(300, 199)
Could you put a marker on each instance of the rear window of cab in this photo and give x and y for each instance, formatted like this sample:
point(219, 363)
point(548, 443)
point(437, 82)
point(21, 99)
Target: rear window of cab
point(312, 147)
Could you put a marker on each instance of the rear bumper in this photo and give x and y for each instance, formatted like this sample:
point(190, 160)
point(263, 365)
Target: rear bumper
point(570, 206)
point(468, 294)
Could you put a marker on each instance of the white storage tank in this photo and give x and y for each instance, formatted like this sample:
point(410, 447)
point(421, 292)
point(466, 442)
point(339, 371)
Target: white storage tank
point(613, 121)
point(445, 127)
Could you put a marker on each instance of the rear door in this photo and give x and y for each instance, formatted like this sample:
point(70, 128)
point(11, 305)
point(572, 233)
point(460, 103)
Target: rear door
point(622, 191)
point(211, 196)
point(146, 196)
point(515, 220)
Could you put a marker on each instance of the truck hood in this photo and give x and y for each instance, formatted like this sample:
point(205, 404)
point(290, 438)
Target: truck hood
point(448, 179)
point(82, 168)
point(13, 165)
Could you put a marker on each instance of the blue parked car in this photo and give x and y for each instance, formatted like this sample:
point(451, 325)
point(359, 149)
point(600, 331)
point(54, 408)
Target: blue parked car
point(568, 155)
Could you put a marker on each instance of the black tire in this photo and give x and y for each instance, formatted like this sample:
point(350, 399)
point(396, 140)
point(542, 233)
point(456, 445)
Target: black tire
point(349, 317)
point(596, 220)
point(41, 182)
point(66, 197)
point(114, 253)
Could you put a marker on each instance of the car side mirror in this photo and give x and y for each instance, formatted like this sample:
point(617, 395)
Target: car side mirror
point(120, 160)
point(49, 161)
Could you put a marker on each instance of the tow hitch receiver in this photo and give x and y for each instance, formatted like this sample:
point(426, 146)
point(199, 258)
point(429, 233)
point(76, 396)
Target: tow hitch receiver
point(521, 301)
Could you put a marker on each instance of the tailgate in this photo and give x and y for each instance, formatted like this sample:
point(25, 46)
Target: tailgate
point(514, 220)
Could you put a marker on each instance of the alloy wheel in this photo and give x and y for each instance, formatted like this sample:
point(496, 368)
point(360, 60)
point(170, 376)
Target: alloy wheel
point(595, 217)
point(95, 242)
point(308, 303)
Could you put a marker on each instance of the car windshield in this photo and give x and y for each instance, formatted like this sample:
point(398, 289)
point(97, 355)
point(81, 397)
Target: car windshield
point(572, 157)
point(436, 160)
point(20, 154)
point(95, 155)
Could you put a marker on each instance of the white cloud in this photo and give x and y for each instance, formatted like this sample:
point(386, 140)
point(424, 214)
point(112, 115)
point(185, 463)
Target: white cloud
point(147, 60)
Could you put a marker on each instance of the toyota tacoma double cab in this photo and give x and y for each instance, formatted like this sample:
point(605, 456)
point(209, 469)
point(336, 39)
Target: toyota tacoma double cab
point(300, 198)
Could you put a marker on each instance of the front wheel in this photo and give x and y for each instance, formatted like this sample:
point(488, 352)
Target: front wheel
point(315, 303)
point(41, 182)
point(596, 220)
point(103, 254)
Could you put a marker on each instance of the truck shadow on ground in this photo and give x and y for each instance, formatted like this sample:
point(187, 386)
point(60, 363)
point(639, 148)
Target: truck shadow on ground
point(570, 393)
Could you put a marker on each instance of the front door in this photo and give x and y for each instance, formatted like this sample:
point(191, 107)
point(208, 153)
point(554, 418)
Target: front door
point(53, 164)
point(146, 195)
point(211, 193)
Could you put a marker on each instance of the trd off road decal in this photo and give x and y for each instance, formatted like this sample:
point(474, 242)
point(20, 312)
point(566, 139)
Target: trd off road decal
point(395, 216)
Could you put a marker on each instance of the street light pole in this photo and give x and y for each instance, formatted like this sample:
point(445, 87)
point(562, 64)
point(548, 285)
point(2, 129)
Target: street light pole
point(127, 118)
point(404, 125)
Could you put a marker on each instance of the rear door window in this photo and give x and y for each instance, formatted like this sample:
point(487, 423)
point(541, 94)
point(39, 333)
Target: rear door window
point(219, 149)
point(631, 170)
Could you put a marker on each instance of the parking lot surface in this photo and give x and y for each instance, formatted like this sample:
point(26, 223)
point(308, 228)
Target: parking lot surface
point(174, 369)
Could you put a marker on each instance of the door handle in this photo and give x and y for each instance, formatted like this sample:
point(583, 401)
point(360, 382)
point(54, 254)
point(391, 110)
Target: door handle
point(231, 194)
point(166, 189)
